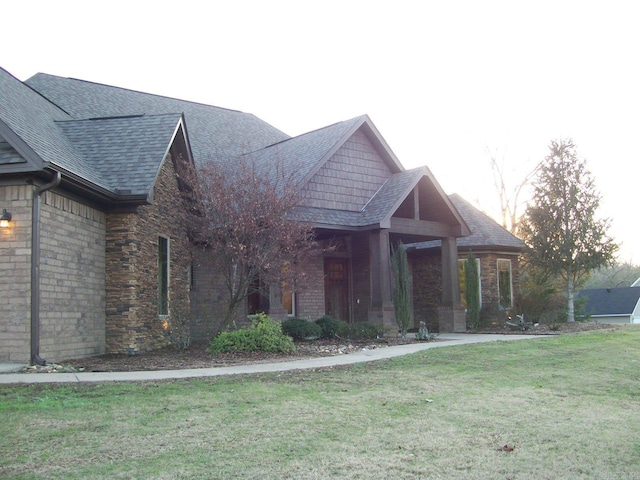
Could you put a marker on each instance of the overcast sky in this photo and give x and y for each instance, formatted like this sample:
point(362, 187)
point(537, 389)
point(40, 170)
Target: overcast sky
point(447, 83)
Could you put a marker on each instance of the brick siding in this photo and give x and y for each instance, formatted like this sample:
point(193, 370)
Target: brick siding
point(72, 277)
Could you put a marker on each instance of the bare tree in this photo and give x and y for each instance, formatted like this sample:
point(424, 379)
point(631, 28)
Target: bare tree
point(509, 196)
point(244, 224)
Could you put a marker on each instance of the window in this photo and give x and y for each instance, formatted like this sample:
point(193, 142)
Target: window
point(462, 281)
point(163, 276)
point(505, 289)
point(288, 300)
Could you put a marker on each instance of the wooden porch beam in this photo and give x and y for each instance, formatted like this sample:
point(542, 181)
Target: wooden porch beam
point(424, 228)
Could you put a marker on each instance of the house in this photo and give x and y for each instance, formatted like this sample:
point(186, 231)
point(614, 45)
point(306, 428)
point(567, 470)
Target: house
point(497, 252)
point(611, 305)
point(96, 257)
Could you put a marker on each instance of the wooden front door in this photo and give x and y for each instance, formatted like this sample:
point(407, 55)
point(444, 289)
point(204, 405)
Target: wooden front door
point(336, 288)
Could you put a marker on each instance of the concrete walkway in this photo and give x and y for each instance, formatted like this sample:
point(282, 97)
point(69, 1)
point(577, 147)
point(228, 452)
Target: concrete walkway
point(444, 340)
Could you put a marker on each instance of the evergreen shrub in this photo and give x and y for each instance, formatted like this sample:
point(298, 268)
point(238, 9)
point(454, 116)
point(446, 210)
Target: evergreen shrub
point(264, 335)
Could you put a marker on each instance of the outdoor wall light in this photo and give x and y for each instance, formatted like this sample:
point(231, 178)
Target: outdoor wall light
point(5, 218)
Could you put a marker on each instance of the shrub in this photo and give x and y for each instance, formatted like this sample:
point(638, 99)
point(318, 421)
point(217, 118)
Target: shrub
point(264, 335)
point(360, 331)
point(301, 329)
point(401, 294)
point(329, 326)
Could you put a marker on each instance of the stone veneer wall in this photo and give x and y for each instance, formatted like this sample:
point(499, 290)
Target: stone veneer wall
point(427, 290)
point(72, 277)
point(133, 322)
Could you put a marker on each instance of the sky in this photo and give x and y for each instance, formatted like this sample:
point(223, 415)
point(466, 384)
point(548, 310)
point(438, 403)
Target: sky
point(448, 84)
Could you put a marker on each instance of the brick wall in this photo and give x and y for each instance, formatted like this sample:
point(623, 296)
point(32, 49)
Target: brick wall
point(133, 322)
point(361, 277)
point(310, 300)
point(208, 297)
point(427, 289)
point(15, 274)
point(72, 277)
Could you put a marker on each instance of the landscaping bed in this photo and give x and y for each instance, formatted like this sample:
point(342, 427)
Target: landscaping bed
point(196, 356)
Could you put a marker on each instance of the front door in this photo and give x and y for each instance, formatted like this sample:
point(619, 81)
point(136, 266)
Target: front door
point(336, 288)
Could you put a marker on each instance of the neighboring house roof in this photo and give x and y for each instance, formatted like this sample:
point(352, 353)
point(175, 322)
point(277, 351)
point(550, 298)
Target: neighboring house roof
point(610, 301)
point(485, 232)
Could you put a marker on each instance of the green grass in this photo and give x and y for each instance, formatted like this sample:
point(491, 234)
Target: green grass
point(570, 405)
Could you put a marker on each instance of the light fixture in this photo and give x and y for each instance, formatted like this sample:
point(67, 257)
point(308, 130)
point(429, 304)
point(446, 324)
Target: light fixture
point(5, 218)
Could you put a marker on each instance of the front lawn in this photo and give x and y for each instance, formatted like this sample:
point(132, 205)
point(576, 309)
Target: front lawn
point(568, 406)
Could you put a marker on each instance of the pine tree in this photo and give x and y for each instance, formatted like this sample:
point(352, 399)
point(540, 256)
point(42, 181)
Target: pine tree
point(559, 226)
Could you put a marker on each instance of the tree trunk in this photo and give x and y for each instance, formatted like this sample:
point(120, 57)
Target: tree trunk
point(570, 305)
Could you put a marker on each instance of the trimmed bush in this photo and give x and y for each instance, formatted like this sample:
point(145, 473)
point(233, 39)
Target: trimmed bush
point(360, 331)
point(330, 326)
point(264, 335)
point(301, 329)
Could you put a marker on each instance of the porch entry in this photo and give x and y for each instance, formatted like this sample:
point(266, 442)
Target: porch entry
point(336, 288)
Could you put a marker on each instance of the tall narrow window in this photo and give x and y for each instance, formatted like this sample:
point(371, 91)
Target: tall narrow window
point(505, 288)
point(163, 276)
point(288, 300)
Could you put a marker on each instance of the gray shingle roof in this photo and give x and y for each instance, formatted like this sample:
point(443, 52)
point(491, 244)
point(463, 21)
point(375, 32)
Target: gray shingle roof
point(485, 232)
point(125, 152)
point(610, 301)
point(300, 156)
point(391, 194)
point(31, 118)
point(215, 133)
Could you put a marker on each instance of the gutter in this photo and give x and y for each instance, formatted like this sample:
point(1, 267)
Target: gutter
point(35, 269)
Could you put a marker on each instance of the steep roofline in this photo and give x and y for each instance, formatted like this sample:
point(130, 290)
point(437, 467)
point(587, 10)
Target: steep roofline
point(34, 161)
point(131, 90)
point(372, 133)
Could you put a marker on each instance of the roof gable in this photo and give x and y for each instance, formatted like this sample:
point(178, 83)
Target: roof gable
point(27, 125)
point(485, 232)
point(125, 153)
point(349, 177)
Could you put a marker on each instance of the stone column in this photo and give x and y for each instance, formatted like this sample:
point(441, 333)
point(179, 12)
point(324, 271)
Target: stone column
point(381, 311)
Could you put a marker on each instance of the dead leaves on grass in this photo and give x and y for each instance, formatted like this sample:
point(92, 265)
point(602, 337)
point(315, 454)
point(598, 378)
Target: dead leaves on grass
point(506, 448)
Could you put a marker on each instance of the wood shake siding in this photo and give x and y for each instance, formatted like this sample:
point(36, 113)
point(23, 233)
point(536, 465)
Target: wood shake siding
point(349, 179)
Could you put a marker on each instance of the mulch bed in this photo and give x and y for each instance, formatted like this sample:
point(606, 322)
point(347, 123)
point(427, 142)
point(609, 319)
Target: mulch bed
point(196, 356)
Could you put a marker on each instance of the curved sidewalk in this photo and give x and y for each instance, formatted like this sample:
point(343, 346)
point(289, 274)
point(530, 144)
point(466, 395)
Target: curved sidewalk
point(444, 340)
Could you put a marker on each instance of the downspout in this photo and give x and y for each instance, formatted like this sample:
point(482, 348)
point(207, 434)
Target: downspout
point(35, 269)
